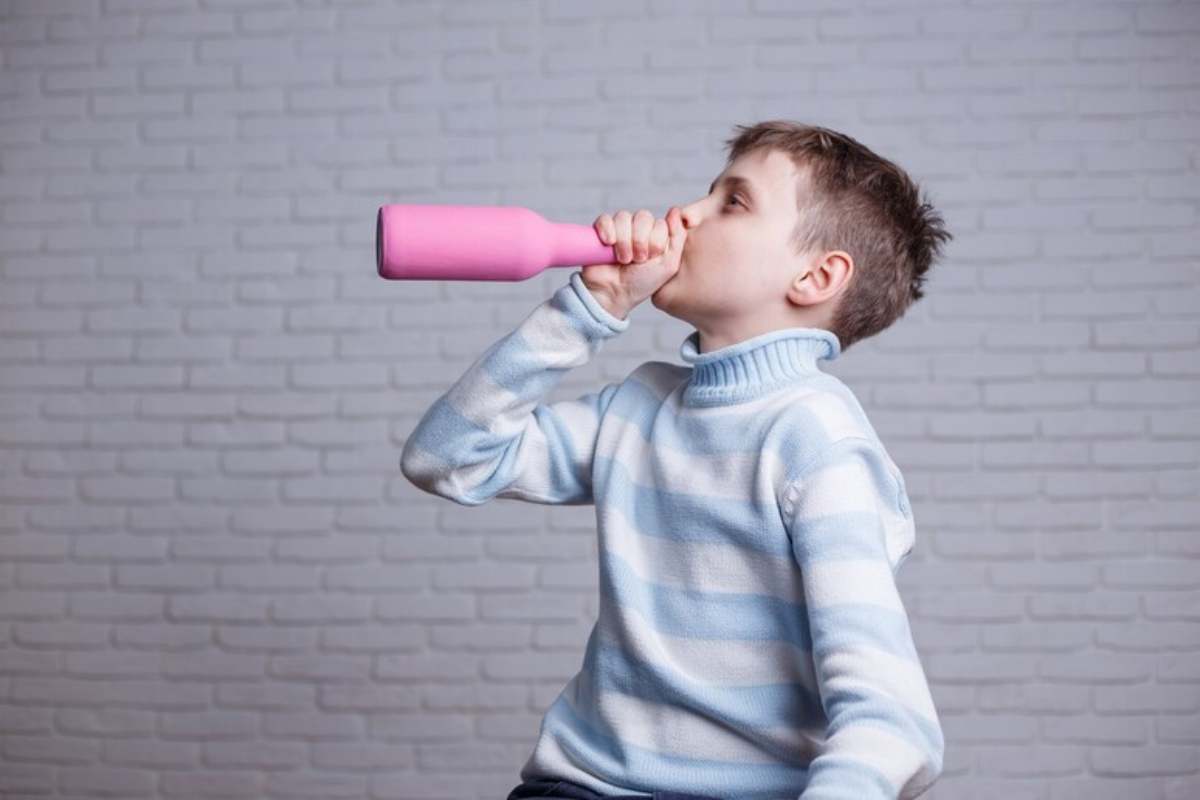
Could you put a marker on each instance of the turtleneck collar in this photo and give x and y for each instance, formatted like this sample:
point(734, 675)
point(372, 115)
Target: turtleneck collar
point(754, 366)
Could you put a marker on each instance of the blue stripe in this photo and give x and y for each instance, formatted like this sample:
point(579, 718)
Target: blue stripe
point(743, 522)
point(592, 746)
point(837, 776)
point(682, 516)
point(609, 668)
point(689, 613)
point(741, 707)
point(719, 432)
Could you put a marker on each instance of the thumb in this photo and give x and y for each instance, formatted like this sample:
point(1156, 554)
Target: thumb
point(675, 228)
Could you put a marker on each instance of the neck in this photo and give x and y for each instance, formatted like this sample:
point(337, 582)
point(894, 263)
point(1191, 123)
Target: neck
point(756, 365)
point(723, 333)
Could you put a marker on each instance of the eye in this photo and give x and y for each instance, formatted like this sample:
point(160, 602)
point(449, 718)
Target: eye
point(735, 198)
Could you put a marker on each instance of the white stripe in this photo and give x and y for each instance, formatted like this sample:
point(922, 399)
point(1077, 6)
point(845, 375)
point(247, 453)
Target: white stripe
point(838, 488)
point(726, 475)
point(427, 471)
point(896, 758)
point(548, 757)
point(870, 669)
point(702, 566)
point(556, 344)
point(550, 333)
point(489, 405)
point(532, 465)
point(723, 475)
point(730, 476)
point(580, 419)
point(834, 415)
point(849, 486)
point(660, 378)
point(669, 730)
point(901, 537)
point(859, 580)
point(531, 468)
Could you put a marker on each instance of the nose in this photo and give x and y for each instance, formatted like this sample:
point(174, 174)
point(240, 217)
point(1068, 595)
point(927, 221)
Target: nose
point(692, 214)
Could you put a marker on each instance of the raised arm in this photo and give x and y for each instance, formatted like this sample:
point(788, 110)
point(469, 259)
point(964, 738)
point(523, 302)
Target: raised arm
point(490, 435)
point(851, 526)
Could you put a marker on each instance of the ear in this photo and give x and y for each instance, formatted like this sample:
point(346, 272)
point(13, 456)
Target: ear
point(824, 279)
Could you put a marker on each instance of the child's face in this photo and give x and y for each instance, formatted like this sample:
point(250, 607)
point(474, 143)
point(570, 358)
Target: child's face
point(737, 262)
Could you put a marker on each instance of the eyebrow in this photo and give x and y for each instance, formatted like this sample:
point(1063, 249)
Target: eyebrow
point(737, 182)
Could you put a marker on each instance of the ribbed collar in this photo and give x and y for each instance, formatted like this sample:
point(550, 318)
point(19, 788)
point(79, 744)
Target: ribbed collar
point(754, 366)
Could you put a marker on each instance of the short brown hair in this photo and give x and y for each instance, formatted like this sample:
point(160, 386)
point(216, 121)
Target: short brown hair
point(857, 201)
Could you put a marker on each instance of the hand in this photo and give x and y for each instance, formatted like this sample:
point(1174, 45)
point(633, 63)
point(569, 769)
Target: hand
point(647, 252)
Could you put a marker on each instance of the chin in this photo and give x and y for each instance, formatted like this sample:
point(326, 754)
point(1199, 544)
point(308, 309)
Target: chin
point(663, 304)
point(658, 301)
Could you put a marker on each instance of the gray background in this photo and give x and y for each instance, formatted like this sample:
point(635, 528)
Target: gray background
point(214, 580)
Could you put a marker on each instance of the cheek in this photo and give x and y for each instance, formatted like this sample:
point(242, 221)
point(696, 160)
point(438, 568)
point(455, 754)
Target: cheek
point(726, 251)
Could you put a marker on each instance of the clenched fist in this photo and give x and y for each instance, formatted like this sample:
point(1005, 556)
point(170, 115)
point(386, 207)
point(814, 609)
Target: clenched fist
point(647, 251)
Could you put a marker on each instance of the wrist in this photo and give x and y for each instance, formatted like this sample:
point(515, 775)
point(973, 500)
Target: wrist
point(607, 301)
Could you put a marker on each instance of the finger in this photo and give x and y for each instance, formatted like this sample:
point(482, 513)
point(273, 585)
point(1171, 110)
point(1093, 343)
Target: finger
point(659, 236)
point(604, 228)
point(623, 225)
point(643, 221)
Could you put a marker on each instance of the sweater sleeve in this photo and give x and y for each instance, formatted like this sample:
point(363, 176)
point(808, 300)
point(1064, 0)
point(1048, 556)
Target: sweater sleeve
point(850, 527)
point(490, 435)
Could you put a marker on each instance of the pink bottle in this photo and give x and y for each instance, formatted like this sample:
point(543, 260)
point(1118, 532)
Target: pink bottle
point(479, 243)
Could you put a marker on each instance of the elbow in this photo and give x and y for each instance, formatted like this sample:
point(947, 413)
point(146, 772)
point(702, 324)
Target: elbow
point(425, 457)
point(408, 457)
point(420, 469)
point(937, 755)
point(922, 780)
point(909, 749)
point(411, 466)
point(430, 475)
point(928, 768)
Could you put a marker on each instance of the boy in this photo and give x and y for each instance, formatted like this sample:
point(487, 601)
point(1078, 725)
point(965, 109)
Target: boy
point(751, 643)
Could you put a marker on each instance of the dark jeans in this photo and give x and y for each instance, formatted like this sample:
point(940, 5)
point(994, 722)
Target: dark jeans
point(547, 789)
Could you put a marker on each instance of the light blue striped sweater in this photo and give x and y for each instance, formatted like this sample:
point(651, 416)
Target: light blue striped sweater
point(751, 643)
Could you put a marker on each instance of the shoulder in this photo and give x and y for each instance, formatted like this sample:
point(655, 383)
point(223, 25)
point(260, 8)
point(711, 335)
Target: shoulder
point(867, 459)
point(813, 419)
point(828, 426)
point(853, 476)
point(657, 379)
point(644, 389)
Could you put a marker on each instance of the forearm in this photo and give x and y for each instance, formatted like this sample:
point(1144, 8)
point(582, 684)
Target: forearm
point(465, 447)
point(849, 522)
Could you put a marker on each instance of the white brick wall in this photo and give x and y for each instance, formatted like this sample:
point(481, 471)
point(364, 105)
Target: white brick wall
point(214, 580)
